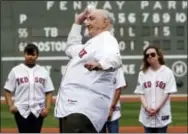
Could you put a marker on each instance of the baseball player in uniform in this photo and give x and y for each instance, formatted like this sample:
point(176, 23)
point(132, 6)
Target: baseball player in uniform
point(33, 88)
point(155, 84)
point(84, 97)
point(112, 125)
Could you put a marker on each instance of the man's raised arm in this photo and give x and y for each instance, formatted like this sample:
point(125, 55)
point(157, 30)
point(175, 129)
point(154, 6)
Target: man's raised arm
point(74, 41)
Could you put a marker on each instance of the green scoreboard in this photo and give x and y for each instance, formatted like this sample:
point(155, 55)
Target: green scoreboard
point(137, 25)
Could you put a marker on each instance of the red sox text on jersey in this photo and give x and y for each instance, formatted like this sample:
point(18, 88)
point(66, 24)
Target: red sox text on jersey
point(159, 84)
point(26, 80)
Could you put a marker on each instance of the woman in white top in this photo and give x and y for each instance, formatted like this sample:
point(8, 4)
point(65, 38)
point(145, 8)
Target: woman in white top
point(155, 84)
point(33, 92)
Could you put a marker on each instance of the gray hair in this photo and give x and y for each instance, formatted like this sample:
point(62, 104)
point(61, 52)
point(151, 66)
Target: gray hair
point(109, 16)
point(106, 13)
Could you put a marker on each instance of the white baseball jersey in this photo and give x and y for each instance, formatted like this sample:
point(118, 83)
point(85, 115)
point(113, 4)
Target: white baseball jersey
point(84, 91)
point(119, 83)
point(30, 85)
point(154, 85)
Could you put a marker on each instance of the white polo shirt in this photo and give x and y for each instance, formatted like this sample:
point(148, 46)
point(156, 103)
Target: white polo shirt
point(30, 86)
point(154, 85)
point(84, 91)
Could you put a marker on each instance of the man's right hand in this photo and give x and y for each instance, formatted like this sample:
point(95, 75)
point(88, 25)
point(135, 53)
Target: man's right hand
point(80, 18)
point(13, 109)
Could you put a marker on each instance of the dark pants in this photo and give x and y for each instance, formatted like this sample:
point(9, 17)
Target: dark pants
point(156, 130)
point(76, 123)
point(111, 126)
point(31, 124)
point(103, 129)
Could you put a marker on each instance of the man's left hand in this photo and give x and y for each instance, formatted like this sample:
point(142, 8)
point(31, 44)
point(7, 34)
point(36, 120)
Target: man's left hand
point(92, 65)
point(110, 113)
point(44, 112)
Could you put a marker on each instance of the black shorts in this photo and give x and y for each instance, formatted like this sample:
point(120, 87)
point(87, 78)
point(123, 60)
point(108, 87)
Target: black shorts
point(76, 123)
point(104, 129)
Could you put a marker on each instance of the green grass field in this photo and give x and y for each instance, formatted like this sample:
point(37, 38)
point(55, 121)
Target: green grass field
point(130, 112)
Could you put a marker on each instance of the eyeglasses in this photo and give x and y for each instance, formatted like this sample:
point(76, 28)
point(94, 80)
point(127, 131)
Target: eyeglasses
point(150, 54)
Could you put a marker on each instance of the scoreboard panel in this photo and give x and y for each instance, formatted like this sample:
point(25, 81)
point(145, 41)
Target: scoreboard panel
point(137, 24)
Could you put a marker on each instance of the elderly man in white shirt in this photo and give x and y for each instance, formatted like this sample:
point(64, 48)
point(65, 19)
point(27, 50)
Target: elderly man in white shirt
point(84, 97)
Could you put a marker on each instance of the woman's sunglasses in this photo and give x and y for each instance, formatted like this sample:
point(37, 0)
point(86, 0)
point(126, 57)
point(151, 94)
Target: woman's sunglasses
point(150, 54)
